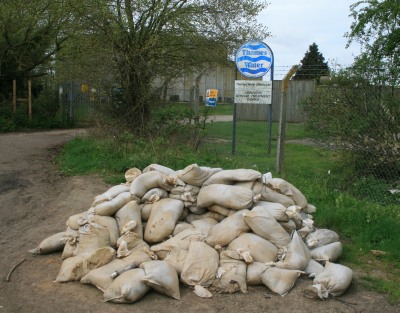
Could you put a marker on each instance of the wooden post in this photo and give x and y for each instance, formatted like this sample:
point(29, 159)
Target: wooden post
point(30, 99)
point(14, 96)
point(282, 119)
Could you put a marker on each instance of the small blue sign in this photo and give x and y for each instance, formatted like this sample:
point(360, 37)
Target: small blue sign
point(254, 59)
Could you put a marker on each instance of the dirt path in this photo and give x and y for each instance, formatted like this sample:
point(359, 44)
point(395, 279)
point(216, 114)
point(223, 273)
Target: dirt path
point(35, 202)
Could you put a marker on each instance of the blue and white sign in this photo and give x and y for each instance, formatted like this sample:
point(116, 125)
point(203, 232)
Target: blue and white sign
point(254, 59)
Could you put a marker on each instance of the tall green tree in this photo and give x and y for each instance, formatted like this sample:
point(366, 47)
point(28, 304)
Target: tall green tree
point(31, 32)
point(313, 65)
point(160, 39)
point(376, 27)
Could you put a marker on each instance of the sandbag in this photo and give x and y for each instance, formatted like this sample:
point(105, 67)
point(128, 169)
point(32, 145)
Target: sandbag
point(289, 190)
point(221, 210)
point(280, 280)
point(193, 217)
point(162, 277)
point(267, 194)
point(163, 218)
point(321, 237)
point(254, 273)
point(75, 221)
point(196, 175)
point(159, 168)
point(154, 195)
point(145, 210)
point(297, 255)
point(92, 236)
point(110, 194)
point(181, 226)
point(149, 180)
point(334, 280)
point(205, 224)
point(109, 208)
point(289, 226)
point(179, 190)
point(131, 174)
point(74, 268)
point(330, 252)
point(277, 210)
point(231, 197)
point(53, 243)
point(101, 276)
point(200, 265)
point(130, 212)
point(133, 241)
point(230, 177)
point(264, 225)
point(127, 288)
point(231, 273)
point(110, 223)
point(228, 229)
point(261, 250)
point(313, 268)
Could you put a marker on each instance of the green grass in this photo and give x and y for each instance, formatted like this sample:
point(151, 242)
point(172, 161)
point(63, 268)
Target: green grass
point(347, 204)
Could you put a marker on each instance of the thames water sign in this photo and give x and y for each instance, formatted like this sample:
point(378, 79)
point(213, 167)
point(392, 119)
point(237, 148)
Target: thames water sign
point(254, 59)
point(253, 91)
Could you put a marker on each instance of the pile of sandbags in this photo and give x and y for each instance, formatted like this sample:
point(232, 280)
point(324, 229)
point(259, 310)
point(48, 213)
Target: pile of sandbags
point(209, 228)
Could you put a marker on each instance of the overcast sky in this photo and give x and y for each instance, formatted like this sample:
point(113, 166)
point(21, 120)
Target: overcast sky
point(296, 24)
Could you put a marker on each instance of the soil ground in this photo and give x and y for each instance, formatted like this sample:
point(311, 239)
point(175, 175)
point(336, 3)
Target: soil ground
point(35, 202)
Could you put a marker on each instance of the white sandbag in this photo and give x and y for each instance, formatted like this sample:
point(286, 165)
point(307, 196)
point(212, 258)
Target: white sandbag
point(74, 221)
point(277, 210)
point(294, 213)
point(130, 212)
point(70, 240)
point(53, 243)
point(205, 224)
point(297, 255)
point(127, 288)
point(321, 237)
point(197, 210)
point(330, 252)
point(334, 280)
point(110, 223)
point(162, 277)
point(230, 177)
point(289, 226)
point(264, 225)
point(159, 168)
point(289, 190)
point(231, 273)
point(280, 280)
point(200, 265)
point(246, 184)
point(154, 195)
point(254, 273)
point(228, 196)
point(163, 218)
point(178, 190)
point(133, 241)
point(101, 276)
point(261, 250)
point(202, 292)
point(131, 174)
point(192, 217)
point(110, 194)
point(228, 229)
point(92, 236)
point(267, 194)
point(220, 210)
point(313, 268)
point(109, 208)
point(74, 268)
point(145, 210)
point(181, 226)
point(196, 175)
point(149, 180)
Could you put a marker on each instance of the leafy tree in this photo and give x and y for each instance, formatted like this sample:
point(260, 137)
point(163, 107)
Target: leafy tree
point(153, 40)
point(376, 27)
point(313, 65)
point(31, 32)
